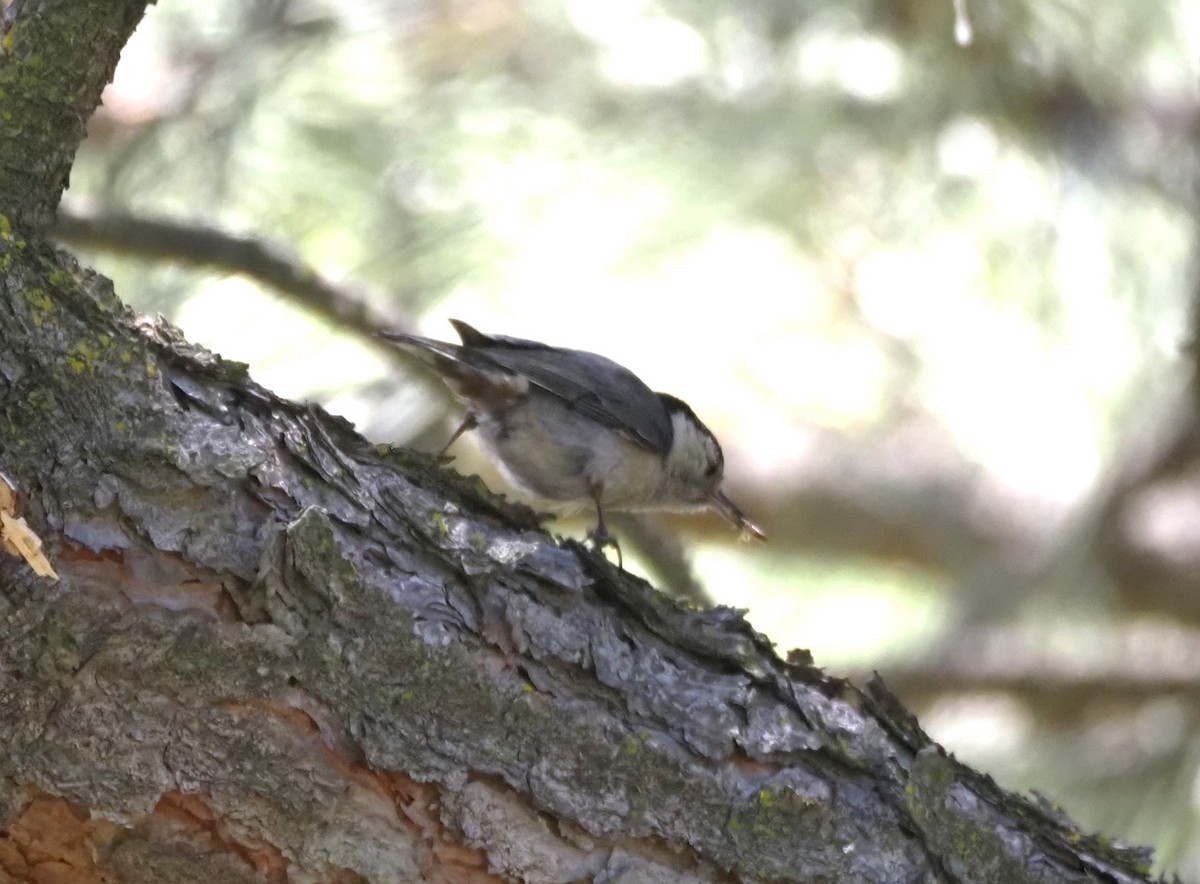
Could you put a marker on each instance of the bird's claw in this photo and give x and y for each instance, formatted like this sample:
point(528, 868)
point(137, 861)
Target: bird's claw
point(600, 538)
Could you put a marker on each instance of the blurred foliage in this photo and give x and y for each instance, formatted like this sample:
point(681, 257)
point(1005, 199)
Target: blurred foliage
point(932, 293)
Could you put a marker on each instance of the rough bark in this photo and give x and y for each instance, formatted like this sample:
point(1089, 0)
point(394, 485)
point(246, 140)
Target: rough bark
point(278, 653)
point(55, 59)
point(263, 620)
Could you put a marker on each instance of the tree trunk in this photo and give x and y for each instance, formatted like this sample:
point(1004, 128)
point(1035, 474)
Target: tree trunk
point(276, 652)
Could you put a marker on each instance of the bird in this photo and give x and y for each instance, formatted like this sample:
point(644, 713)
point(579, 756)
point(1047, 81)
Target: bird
point(576, 428)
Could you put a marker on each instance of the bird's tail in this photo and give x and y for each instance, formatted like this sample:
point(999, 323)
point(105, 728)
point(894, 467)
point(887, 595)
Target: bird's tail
point(469, 374)
point(429, 345)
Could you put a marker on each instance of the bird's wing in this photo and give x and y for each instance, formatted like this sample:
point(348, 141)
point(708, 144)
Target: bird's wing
point(621, 402)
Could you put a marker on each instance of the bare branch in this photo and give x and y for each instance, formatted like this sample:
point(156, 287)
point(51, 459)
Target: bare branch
point(200, 245)
point(1059, 671)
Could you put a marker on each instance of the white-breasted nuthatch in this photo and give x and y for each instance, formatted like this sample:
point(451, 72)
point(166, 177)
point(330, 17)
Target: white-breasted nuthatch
point(576, 428)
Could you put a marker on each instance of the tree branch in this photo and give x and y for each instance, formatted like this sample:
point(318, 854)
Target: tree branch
point(1061, 672)
point(203, 246)
point(277, 652)
point(294, 602)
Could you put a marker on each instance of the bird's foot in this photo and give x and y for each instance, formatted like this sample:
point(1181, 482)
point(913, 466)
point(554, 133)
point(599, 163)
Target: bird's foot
point(600, 538)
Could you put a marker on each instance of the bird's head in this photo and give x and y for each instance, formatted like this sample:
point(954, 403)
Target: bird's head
point(696, 466)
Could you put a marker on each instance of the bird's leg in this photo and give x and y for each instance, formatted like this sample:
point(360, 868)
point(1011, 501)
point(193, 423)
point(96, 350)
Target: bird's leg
point(599, 535)
point(470, 422)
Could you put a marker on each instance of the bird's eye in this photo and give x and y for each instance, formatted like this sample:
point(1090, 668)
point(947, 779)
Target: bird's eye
point(712, 469)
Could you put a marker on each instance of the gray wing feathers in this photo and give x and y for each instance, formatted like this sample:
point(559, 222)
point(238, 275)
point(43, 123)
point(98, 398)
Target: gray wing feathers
point(594, 386)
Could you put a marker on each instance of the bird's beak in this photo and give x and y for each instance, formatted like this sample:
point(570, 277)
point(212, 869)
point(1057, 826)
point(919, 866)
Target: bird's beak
point(729, 510)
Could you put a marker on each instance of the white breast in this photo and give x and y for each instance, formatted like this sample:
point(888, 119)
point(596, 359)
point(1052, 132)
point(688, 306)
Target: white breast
point(553, 453)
